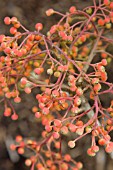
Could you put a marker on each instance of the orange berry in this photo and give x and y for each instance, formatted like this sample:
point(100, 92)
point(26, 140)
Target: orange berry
point(101, 22)
point(102, 141)
point(50, 12)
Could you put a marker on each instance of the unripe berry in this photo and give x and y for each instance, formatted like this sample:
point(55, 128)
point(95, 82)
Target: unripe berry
point(49, 71)
point(71, 144)
point(95, 80)
point(108, 25)
point(89, 11)
point(80, 131)
point(64, 130)
point(28, 162)
point(95, 148)
point(97, 87)
point(79, 91)
point(50, 12)
point(77, 101)
point(75, 110)
point(14, 20)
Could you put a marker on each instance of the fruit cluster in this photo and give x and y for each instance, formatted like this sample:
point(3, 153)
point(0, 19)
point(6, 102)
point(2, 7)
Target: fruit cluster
point(66, 65)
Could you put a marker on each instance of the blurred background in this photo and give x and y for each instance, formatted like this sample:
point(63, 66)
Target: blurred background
point(29, 12)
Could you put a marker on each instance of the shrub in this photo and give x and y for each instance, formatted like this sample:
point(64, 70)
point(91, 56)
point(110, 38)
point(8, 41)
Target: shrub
point(71, 61)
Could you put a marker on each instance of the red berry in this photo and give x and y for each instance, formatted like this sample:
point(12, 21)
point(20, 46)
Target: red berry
point(45, 110)
point(90, 152)
point(7, 112)
point(13, 30)
point(7, 20)
point(14, 117)
point(38, 26)
point(72, 9)
point(17, 99)
point(95, 148)
point(104, 62)
point(27, 90)
point(106, 2)
point(111, 5)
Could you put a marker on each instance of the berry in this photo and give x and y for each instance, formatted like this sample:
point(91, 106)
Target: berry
point(71, 144)
point(27, 90)
point(38, 26)
point(28, 162)
point(106, 2)
point(50, 12)
point(101, 22)
point(72, 9)
point(7, 20)
point(17, 99)
point(13, 30)
point(111, 5)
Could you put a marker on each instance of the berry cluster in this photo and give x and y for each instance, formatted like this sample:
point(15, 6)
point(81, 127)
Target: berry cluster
point(66, 65)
